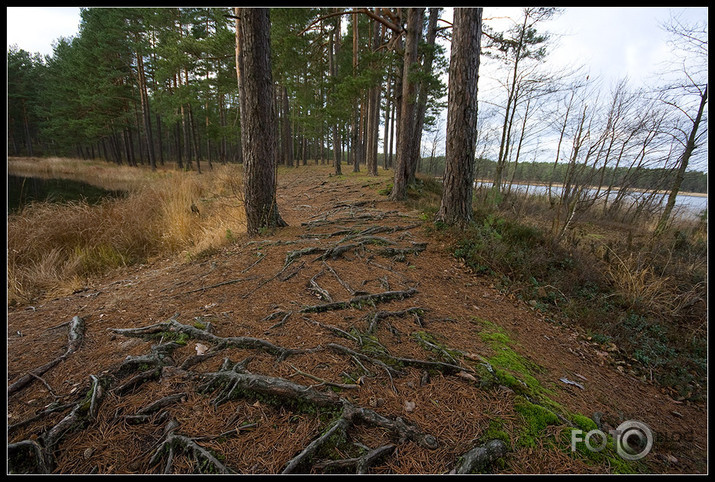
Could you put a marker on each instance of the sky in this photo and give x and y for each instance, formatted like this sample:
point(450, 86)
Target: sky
point(611, 42)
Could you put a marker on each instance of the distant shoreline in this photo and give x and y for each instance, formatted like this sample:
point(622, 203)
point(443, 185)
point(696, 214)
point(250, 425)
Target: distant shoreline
point(684, 193)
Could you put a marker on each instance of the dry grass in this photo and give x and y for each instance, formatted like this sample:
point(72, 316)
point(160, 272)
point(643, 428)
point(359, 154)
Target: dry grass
point(53, 248)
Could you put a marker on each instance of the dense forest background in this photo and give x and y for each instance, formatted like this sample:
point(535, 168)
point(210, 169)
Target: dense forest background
point(155, 85)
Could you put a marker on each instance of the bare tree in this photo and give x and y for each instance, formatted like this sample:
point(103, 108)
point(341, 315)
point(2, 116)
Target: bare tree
point(258, 124)
point(683, 97)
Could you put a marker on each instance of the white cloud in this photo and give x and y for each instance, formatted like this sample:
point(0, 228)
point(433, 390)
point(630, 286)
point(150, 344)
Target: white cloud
point(35, 29)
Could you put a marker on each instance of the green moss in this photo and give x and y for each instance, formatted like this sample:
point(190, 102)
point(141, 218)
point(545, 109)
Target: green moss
point(495, 431)
point(584, 423)
point(180, 338)
point(510, 368)
point(535, 420)
point(608, 456)
point(500, 338)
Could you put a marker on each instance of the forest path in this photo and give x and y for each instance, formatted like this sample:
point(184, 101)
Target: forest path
point(355, 300)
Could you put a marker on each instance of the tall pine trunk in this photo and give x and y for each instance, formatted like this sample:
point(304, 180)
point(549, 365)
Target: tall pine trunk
point(258, 124)
point(406, 133)
point(456, 205)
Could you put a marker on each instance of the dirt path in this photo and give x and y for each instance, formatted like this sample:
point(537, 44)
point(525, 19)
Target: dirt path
point(353, 321)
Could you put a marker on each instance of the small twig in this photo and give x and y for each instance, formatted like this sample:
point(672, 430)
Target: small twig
point(282, 322)
point(260, 258)
point(333, 328)
point(223, 283)
point(322, 293)
point(340, 280)
point(49, 388)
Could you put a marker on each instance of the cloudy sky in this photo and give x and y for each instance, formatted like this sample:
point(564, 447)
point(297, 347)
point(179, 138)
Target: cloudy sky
point(611, 41)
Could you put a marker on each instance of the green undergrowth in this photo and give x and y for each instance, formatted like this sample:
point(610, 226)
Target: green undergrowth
point(648, 301)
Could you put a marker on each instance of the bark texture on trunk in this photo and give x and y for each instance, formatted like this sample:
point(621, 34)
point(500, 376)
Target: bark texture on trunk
point(456, 205)
point(258, 125)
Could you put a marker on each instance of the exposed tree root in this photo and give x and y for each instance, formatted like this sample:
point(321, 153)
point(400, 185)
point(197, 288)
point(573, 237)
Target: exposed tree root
point(325, 382)
point(337, 429)
point(381, 315)
point(359, 301)
point(84, 412)
point(49, 411)
point(279, 274)
point(361, 217)
point(284, 316)
point(137, 380)
point(145, 413)
point(221, 342)
point(75, 337)
point(359, 465)
point(234, 380)
point(480, 457)
point(390, 252)
point(173, 442)
point(334, 329)
point(26, 457)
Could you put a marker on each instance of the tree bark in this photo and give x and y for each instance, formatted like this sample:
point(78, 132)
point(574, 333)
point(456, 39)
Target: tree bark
point(337, 142)
point(258, 127)
point(406, 134)
point(456, 205)
point(422, 94)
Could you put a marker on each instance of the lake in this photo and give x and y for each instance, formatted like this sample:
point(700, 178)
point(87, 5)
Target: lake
point(689, 205)
point(23, 190)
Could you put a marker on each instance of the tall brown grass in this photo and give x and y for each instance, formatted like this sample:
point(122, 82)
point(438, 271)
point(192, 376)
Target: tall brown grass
point(54, 248)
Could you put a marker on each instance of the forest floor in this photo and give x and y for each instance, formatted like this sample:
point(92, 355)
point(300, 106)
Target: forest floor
point(350, 340)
